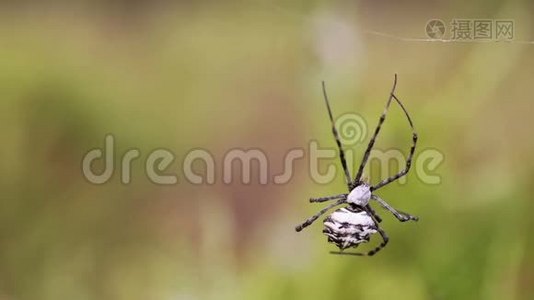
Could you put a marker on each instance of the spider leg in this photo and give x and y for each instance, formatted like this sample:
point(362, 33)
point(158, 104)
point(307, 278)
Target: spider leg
point(323, 199)
point(377, 217)
point(410, 155)
point(401, 216)
point(336, 136)
point(373, 138)
point(385, 238)
point(347, 253)
point(312, 219)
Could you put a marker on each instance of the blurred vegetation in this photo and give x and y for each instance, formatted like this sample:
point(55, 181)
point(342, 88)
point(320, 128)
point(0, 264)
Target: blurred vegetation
point(247, 75)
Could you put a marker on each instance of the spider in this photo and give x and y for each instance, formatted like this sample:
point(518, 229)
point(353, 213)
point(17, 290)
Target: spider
point(354, 223)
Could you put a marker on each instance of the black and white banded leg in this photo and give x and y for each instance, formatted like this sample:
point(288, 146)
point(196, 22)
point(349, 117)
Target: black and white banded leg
point(323, 199)
point(385, 240)
point(338, 141)
point(410, 155)
point(373, 213)
point(401, 216)
point(312, 219)
point(375, 134)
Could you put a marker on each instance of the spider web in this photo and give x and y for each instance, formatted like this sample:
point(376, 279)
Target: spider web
point(397, 37)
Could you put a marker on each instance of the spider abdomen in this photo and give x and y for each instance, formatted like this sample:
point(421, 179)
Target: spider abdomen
point(348, 228)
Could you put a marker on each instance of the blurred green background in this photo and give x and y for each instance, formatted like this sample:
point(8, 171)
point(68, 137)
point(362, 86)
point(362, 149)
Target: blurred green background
point(246, 74)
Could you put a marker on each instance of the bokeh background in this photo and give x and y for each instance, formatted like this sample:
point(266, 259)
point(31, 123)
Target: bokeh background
point(246, 74)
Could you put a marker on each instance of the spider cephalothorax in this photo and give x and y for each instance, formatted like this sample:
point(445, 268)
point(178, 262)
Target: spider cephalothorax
point(355, 223)
point(360, 195)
